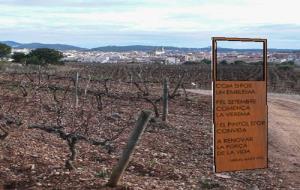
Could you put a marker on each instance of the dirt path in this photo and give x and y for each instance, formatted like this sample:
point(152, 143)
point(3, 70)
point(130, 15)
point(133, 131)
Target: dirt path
point(284, 134)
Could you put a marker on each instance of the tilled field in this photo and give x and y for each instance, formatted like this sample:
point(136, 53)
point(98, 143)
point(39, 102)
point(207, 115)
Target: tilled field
point(176, 154)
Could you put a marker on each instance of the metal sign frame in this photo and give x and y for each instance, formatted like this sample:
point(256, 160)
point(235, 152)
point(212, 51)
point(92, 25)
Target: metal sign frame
point(214, 81)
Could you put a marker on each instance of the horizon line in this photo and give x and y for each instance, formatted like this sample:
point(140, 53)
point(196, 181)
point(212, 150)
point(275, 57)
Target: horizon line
point(115, 45)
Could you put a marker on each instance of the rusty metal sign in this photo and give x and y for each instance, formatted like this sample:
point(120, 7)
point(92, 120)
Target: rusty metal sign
point(239, 114)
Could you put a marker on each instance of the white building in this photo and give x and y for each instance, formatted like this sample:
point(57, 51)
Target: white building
point(172, 60)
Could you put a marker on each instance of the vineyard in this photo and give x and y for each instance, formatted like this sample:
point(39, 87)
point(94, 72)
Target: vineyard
point(66, 126)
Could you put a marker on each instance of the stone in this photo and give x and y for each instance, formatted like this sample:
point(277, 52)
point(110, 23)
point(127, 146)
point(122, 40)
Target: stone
point(224, 176)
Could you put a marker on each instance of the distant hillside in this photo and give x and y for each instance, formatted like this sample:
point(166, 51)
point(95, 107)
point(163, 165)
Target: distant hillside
point(52, 46)
point(180, 49)
point(40, 45)
point(11, 43)
point(144, 48)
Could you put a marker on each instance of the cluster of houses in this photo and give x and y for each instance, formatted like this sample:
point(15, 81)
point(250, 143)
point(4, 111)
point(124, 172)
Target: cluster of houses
point(156, 56)
point(161, 56)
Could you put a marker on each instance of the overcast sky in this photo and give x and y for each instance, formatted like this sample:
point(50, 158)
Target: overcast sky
point(185, 23)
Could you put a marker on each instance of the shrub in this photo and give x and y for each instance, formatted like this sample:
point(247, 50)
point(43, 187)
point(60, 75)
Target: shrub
point(34, 60)
point(19, 57)
point(239, 62)
point(5, 50)
point(46, 56)
point(288, 63)
point(206, 61)
point(285, 67)
point(223, 62)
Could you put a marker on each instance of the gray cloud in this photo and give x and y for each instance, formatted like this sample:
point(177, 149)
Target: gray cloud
point(274, 31)
point(33, 20)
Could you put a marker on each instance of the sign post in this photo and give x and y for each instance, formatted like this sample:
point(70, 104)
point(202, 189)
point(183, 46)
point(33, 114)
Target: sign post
point(239, 117)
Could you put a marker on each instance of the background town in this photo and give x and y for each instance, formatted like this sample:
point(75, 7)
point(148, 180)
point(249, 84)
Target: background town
point(159, 54)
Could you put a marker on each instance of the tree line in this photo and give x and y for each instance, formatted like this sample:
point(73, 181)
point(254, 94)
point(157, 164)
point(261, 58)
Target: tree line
point(39, 56)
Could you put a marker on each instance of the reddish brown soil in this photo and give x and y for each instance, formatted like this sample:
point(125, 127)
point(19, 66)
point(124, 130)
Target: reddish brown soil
point(173, 156)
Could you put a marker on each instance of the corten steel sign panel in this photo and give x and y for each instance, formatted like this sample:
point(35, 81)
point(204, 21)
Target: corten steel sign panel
point(240, 117)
